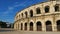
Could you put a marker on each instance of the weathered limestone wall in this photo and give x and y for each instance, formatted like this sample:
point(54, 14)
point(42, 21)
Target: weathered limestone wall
point(43, 17)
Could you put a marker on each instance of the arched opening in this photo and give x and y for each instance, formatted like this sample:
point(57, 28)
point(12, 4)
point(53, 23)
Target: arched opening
point(19, 15)
point(21, 26)
point(48, 26)
point(22, 14)
point(39, 26)
point(25, 26)
point(26, 14)
point(38, 10)
point(46, 9)
point(16, 17)
point(31, 13)
point(58, 25)
point(31, 26)
point(56, 7)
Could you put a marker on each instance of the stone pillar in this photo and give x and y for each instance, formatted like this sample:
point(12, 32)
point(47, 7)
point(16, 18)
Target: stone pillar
point(19, 26)
point(54, 28)
point(27, 26)
point(52, 9)
point(23, 26)
point(43, 27)
point(42, 9)
point(34, 26)
point(14, 26)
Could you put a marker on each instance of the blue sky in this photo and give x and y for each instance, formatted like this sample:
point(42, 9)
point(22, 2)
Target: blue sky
point(9, 8)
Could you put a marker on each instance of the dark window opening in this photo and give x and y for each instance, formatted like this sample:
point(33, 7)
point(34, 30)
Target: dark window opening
point(39, 26)
point(16, 17)
point(46, 9)
point(19, 15)
point(26, 14)
point(38, 10)
point(48, 26)
point(31, 26)
point(22, 14)
point(31, 13)
point(58, 25)
point(56, 7)
point(25, 26)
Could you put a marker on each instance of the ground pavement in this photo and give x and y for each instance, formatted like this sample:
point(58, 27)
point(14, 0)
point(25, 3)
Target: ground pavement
point(12, 31)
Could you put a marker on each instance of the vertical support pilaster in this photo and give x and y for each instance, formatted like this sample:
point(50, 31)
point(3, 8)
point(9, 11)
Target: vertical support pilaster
point(43, 27)
point(54, 26)
point(34, 26)
point(14, 26)
point(23, 26)
point(19, 26)
point(28, 27)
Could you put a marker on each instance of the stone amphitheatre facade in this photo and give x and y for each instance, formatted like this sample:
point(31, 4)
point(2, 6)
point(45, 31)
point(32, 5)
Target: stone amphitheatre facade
point(43, 16)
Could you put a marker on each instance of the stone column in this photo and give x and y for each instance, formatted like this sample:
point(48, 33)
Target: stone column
point(43, 27)
point(52, 9)
point(14, 26)
point(19, 26)
point(54, 28)
point(27, 26)
point(23, 26)
point(34, 26)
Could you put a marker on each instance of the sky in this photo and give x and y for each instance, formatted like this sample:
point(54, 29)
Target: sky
point(9, 8)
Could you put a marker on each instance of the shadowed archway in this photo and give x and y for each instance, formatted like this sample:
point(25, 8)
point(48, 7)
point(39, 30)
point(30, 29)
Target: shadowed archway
point(48, 26)
point(31, 26)
point(58, 25)
point(25, 26)
point(31, 13)
point(39, 26)
point(26, 14)
point(56, 7)
point(38, 11)
point(47, 9)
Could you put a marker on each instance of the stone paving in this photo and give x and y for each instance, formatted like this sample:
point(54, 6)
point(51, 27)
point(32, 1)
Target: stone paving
point(12, 31)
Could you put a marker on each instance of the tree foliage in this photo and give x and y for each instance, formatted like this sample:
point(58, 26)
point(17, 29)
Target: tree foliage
point(3, 24)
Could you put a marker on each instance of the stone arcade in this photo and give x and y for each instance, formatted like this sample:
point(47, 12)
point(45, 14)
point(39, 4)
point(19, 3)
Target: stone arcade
point(39, 17)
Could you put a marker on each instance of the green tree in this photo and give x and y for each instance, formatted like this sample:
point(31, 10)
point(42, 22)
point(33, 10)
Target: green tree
point(3, 24)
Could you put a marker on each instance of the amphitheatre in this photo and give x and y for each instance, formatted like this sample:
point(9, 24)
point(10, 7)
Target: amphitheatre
point(41, 17)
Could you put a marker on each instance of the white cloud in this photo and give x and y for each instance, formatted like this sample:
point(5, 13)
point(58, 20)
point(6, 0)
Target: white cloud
point(11, 8)
point(21, 4)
